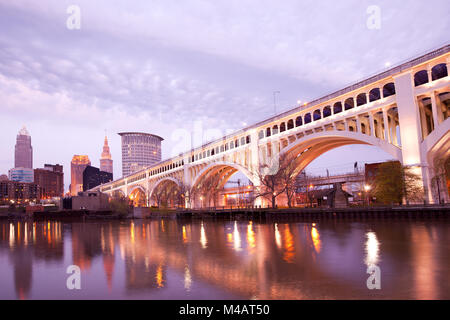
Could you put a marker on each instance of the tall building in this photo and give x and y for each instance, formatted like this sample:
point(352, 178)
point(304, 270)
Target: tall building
point(23, 150)
point(106, 163)
point(139, 150)
point(77, 166)
point(50, 179)
point(21, 174)
point(93, 177)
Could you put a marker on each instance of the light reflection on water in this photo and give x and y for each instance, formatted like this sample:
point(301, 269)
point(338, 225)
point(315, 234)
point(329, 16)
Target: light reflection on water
point(224, 260)
point(372, 249)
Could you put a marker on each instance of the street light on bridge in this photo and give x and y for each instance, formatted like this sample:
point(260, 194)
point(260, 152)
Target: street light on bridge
point(275, 101)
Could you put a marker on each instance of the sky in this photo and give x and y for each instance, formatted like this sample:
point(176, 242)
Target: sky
point(175, 67)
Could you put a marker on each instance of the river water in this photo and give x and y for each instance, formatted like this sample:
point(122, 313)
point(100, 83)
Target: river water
point(170, 259)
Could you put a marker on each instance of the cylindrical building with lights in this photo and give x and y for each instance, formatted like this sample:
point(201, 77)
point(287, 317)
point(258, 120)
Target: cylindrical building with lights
point(139, 150)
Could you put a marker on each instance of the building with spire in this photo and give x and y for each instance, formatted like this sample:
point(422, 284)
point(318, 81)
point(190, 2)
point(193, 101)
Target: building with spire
point(23, 158)
point(106, 163)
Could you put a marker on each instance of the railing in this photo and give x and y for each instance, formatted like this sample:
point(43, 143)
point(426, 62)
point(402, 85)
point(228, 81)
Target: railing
point(401, 66)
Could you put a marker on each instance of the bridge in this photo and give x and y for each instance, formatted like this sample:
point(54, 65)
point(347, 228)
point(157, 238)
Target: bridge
point(404, 111)
point(354, 177)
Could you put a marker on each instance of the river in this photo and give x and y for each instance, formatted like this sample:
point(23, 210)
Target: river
point(174, 259)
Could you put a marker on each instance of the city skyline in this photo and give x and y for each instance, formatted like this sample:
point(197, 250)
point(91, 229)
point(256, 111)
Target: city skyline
point(172, 86)
point(225, 151)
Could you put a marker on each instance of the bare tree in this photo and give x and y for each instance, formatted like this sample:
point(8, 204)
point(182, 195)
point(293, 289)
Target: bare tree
point(276, 178)
point(185, 194)
point(288, 176)
point(209, 189)
point(157, 195)
point(441, 171)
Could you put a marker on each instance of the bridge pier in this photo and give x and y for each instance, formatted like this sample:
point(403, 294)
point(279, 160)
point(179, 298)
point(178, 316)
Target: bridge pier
point(411, 131)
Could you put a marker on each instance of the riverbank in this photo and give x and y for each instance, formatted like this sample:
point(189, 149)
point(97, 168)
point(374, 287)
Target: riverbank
point(400, 212)
point(63, 215)
point(358, 213)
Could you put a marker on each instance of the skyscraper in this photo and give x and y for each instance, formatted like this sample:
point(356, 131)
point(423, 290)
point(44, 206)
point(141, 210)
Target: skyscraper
point(23, 150)
point(77, 166)
point(139, 150)
point(106, 163)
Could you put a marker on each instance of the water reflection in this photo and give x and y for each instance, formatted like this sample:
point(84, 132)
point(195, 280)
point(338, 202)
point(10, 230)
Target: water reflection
point(289, 250)
point(277, 236)
point(203, 239)
point(250, 236)
point(315, 238)
point(207, 260)
point(372, 249)
point(236, 238)
point(187, 278)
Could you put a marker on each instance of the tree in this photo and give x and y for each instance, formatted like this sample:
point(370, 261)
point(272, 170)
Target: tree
point(209, 189)
point(394, 182)
point(288, 177)
point(413, 188)
point(120, 204)
point(158, 194)
point(441, 175)
point(277, 177)
point(185, 194)
point(167, 193)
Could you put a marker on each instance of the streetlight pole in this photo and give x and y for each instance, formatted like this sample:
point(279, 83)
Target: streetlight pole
point(275, 102)
point(306, 185)
point(239, 193)
point(438, 189)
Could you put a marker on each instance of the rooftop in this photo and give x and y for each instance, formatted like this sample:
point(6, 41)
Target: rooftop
point(139, 134)
point(23, 132)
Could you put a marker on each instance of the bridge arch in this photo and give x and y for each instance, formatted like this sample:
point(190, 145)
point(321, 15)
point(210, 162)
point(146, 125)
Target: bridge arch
point(118, 193)
point(312, 146)
point(167, 192)
point(214, 167)
point(138, 195)
point(163, 180)
point(437, 150)
point(208, 182)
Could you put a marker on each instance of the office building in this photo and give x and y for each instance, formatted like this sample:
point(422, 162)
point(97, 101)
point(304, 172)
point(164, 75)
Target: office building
point(21, 175)
point(14, 192)
point(139, 150)
point(23, 157)
point(77, 166)
point(50, 180)
point(93, 177)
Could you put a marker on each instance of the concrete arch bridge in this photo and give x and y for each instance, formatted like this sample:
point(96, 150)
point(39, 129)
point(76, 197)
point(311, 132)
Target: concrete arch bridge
point(404, 111)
